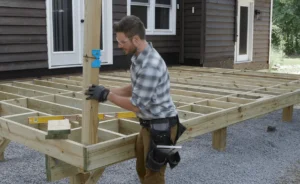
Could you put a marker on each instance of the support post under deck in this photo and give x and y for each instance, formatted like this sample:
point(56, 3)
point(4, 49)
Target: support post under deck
point(219, 139)
point(287, 114)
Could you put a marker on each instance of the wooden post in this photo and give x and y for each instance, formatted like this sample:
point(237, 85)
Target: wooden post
point(92, 36)
point(1, 156)
point(90, 75)
point(3, 144)
point(219, 139)
point(287, 114)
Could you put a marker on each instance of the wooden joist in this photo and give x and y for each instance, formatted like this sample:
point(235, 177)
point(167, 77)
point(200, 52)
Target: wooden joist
point(66, 150)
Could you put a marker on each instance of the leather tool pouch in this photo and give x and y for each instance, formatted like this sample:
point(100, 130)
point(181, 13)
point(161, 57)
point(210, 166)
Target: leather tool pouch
point(160, 134)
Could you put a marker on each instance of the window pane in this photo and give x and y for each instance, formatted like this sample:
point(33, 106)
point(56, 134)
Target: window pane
point(62, 25)
point(168, 2)
point(162, 16)
point(140, 1)
point(141, 12)
point(244, 30)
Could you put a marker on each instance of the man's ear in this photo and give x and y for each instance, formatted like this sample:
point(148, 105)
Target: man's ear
point(135, 40)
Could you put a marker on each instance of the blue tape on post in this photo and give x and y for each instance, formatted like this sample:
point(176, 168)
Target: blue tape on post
point(97, 62)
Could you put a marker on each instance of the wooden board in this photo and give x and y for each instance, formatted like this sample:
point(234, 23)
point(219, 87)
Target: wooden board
point(59, 127)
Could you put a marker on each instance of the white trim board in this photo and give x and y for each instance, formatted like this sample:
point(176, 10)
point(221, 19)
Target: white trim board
point(271, 26)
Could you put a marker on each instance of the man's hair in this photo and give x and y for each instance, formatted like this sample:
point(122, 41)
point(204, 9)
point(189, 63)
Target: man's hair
point(130, 26)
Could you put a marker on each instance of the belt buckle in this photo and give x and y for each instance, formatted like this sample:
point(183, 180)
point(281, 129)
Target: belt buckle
point(144, 123)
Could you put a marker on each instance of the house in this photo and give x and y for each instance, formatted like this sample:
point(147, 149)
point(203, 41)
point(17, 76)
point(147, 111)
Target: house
point(43, 36)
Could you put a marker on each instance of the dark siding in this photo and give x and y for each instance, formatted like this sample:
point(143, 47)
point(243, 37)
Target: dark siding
point(262, 32)
point(168, 46)
point(219, 46)
point(119, 11)
point(192, 31)
point(261, 38)
point(23, 39)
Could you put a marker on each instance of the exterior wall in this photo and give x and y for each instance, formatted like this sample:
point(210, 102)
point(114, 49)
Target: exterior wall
point(23, 39)
point(23, 36)
point(220, 30)
point(262, 32)
point(192, 31)
point(261, 38)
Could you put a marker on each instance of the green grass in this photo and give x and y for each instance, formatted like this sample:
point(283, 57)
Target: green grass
point(284, 64)
point(277, 57)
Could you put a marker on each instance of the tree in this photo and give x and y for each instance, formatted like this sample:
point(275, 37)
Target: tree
point(286, 26)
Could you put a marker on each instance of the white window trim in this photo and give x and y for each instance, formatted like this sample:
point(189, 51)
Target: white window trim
point(50, 48)
point(151, 17)
point(107, 36)
point(250, 30)
point(107, 29)
point(270, 36)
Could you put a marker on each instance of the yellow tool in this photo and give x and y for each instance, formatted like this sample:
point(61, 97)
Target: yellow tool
point(76, 117)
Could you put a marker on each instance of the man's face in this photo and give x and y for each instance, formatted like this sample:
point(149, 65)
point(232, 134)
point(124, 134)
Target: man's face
point(125, 43)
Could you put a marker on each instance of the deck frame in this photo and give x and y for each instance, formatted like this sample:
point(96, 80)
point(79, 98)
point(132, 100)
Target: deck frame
point(208, 100)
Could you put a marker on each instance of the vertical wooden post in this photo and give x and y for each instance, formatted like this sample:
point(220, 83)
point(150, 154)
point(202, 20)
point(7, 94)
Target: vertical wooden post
point(90, 75)
point(92, 36)
point(219, 139)
point(287, 114)
point(1, 156)
point(3, 144)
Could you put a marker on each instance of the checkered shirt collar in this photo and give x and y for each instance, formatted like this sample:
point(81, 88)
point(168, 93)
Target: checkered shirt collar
point(136, 60)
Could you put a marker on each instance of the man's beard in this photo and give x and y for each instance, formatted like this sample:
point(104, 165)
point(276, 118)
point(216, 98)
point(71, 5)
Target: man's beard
point(131, 52)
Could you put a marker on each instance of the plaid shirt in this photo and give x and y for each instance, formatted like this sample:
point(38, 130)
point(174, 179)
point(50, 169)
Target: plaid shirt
point(151, 85)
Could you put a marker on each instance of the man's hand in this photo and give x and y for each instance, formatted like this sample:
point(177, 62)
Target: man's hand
point(99, 93)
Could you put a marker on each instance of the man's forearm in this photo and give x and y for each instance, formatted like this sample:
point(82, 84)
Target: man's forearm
point(125, 91)
point(123, 102)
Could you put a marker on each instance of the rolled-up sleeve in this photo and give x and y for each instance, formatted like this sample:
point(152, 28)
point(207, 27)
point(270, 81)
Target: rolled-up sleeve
point(143, 90)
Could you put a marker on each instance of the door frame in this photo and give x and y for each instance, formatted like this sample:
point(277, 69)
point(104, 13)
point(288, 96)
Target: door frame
point(251, 6)
point(107, 59)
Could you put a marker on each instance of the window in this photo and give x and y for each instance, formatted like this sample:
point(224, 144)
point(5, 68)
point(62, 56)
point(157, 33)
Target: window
point(158, 16)
point(62, 25)
point(243, 30)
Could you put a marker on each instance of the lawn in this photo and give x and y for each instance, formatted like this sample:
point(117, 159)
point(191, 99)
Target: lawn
point(284, 64)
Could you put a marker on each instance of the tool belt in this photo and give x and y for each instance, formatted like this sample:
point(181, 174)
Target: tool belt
point(146, 123)
point(160, 134)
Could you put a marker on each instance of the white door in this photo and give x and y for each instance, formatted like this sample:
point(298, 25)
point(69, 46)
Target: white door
point(244, 44)
point(65, 29)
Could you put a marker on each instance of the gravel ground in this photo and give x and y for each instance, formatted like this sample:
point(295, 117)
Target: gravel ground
point(253, 156)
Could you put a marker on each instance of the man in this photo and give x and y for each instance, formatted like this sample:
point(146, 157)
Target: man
point(148, 96)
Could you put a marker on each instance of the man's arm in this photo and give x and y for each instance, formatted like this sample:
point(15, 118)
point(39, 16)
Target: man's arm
point(122, 101)
point(125, 91)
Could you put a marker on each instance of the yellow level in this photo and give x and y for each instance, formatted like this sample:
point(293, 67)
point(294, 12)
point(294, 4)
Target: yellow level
point(101, 116)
